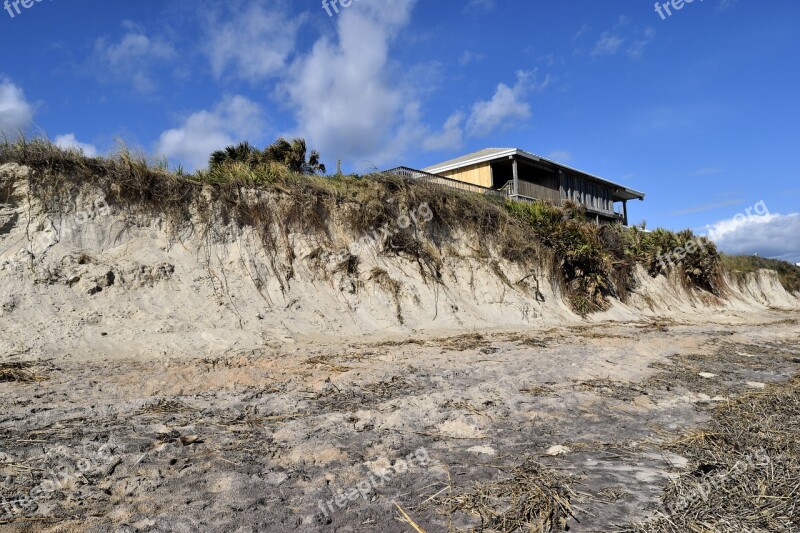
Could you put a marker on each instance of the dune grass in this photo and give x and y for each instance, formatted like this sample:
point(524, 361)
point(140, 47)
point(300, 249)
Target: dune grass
point(590, 262)
point(741, 265)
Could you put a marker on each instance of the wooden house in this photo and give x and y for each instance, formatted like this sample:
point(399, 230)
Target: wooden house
point(524, 176)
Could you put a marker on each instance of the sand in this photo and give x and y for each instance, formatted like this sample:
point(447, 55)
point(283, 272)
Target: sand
point(196, 382)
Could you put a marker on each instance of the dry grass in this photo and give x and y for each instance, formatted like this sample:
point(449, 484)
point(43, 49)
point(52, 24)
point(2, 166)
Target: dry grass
point(19, 373)
point(391, 287)
point(745, 469)
point(626, 392)
point(164, 406)
point(537, 390)
point(532, 498)
point(460, 343)
point(365, 396)
point(328, 363)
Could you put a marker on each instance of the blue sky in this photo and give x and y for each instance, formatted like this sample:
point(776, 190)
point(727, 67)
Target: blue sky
point(699, 110)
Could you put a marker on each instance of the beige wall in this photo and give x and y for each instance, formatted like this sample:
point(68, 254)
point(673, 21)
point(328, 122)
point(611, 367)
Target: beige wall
point(480, 174)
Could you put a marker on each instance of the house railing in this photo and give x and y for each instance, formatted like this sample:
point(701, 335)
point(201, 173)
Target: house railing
point(442, 181)
point(506, 191)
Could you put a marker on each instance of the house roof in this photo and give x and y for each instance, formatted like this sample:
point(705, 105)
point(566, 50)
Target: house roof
point(493, 154)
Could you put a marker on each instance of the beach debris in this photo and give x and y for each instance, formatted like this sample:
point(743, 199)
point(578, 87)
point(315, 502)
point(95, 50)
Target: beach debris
point(557, 450)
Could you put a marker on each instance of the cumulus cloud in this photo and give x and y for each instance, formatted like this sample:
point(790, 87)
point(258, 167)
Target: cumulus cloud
point(508, 106)
point(347, 96)
point(231, 120)
point(132, 58)
point(344, 93)
point(450, 138)
point(770, 235)
point(16, 113)
point(68, 140)
point(251, 40)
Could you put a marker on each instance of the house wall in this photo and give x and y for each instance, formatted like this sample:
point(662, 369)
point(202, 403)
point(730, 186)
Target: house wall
point(589, 193)
point(540, 182)
point(542, 191)
point(480, 174)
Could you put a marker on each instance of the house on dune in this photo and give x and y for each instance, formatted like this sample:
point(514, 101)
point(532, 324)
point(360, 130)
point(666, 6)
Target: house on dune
point(523, 176)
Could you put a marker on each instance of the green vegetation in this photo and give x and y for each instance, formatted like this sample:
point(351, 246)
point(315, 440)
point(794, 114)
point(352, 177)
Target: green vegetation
point(696, 258)
point(741, 265)
point(590, 262)
point(594, 261)
point(292, 155)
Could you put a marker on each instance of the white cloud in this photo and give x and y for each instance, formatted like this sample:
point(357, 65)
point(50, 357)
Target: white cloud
point(480, 6)
point(581, 31)
point(16, 113)
point(450, 138)
point(636, 49)
point(769, 235)
point(69, 140)
point(345, 94)
point(255, 42)
point(132, 58)
point(231, 121)
point(468, 57)
point(348, 98)
point(608, 45)
point(508, 106)
point(560, 156)
point(613, 42)
point(707, 171)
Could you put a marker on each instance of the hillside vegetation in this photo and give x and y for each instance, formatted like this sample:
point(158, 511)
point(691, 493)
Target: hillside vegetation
point(741, 265)
point(589, 262)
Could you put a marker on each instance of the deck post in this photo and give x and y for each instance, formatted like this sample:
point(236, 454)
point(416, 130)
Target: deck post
point(625, 212)
point(515, 189)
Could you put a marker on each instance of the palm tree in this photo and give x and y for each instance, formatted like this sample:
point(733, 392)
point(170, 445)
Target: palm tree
point(293, 155)
point(242, 152)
